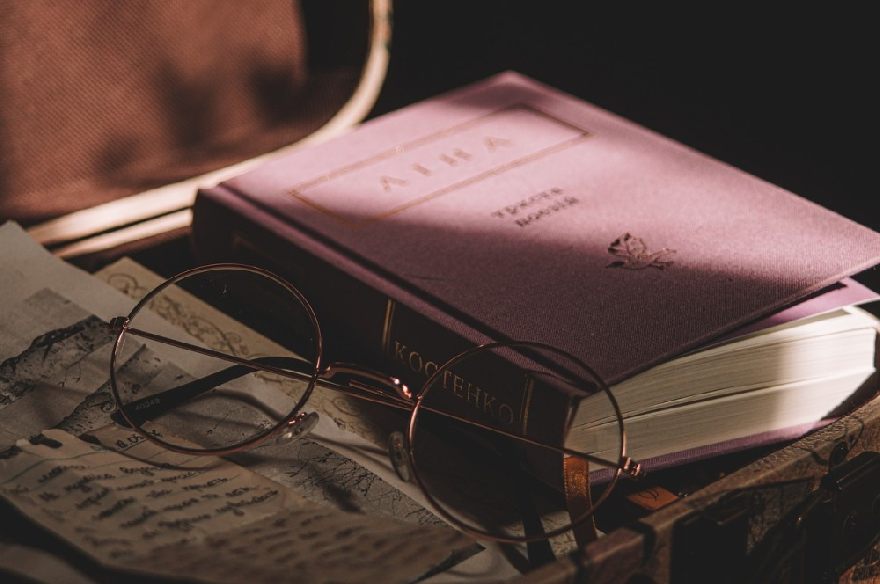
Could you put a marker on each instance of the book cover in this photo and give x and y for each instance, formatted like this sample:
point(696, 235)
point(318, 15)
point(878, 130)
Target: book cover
point(508, 210)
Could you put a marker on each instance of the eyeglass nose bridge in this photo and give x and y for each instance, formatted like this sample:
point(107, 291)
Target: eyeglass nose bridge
point(387, 382)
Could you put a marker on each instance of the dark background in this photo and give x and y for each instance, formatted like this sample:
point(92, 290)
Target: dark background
point(788, 97)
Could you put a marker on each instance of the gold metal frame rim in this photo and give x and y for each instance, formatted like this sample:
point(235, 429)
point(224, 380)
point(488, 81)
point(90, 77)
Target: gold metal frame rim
point(278, 428)
point(479, 534)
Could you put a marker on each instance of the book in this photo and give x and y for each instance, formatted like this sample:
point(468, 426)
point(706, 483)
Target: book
point(509, 210)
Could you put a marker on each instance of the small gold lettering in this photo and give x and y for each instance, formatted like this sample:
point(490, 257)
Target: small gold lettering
point(421, 169)
point(457, 155)
point(415, 362)
point(492, 143)
point(458, 386)
point(505, 413)
point(489, 404)
point(473, 391)
point(473, 395)
point(398, 351)
point(388, 182)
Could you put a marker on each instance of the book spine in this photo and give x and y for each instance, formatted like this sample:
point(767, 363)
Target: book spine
point(364, 318)
point(227, 228)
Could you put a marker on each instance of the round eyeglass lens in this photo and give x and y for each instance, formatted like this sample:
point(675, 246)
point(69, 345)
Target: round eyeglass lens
point(492, 429)
point(180, 370)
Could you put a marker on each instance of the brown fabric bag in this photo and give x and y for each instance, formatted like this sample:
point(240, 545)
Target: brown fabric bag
point(102, 99)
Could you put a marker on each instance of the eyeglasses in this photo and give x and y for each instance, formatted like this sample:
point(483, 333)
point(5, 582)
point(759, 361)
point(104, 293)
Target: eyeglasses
point(485, 437)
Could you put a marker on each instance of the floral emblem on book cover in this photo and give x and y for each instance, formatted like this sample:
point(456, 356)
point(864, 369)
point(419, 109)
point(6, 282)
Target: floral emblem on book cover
point(633, 254)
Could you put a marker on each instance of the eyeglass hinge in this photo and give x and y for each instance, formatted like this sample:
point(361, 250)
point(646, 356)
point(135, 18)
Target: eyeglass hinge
point(631, 468)
point(119, 324)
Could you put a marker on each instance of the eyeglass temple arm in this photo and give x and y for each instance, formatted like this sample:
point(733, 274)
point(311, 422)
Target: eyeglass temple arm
point(150, 407)
point(392, 391)
point(627, 465)
point(153, 406)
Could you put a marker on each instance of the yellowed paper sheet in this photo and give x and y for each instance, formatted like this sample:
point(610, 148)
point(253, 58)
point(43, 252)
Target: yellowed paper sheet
point(149, 510)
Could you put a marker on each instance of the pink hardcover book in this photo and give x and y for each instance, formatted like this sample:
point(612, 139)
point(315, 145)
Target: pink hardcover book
point(509, 210)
